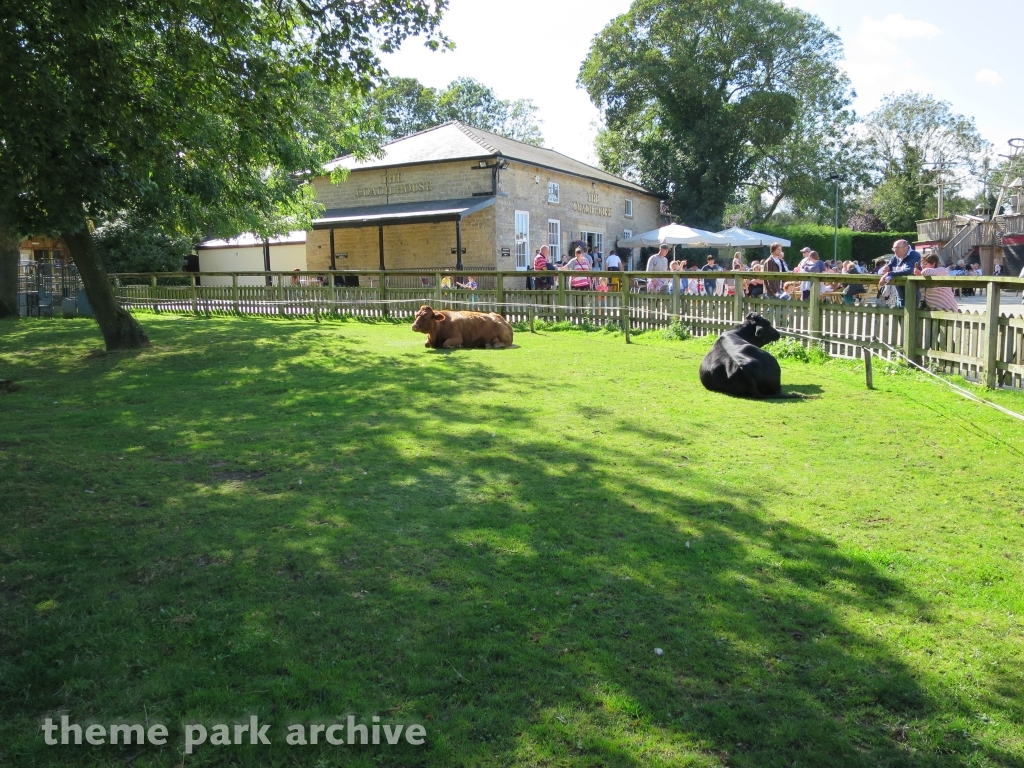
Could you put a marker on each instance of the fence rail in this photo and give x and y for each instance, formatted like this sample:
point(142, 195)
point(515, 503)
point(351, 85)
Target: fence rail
point(963, 343)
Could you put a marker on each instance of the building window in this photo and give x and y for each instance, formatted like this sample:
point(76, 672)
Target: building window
point(554, 239)
point(627, 233)
point(552, 192)
point(522, 239)
point(629, 208)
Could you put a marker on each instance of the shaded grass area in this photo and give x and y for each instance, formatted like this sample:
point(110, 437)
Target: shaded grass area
point(306, 522)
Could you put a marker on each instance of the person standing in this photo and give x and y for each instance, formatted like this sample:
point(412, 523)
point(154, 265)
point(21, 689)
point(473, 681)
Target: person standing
point(579, 264)
point(737, 262)
point(811, 264)
point(657, 263)
point(540, 264)
point(774, 263)
point(903, 263)
point(710, 285)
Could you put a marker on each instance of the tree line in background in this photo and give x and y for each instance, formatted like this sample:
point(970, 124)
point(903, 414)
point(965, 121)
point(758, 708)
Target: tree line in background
point(737, 111)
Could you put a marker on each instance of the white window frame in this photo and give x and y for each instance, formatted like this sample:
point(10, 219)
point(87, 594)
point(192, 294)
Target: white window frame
point(554, 248)
point(553, 192)
point(628, 209)
point(521, 228)
point(627, 233)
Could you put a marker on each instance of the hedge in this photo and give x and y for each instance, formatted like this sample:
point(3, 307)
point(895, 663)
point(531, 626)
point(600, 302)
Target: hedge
point(868, 246)
point(815, 237)
point(859, 246)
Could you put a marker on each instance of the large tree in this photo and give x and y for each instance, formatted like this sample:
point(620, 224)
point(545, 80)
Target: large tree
point(403, 105)
point(695, 94)
point(914, 139)
point(822, 144)
point(194, 113)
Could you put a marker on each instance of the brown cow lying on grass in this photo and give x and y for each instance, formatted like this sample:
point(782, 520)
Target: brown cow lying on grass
point(451, 330)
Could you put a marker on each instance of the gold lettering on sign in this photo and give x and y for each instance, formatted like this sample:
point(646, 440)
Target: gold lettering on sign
point(594, 210)
point(591, 197)
point(393, 185)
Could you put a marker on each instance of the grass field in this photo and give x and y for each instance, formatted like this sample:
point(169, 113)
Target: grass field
point(307, 521)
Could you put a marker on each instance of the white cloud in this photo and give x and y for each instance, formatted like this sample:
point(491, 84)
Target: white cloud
point(879, 60)
point(896, 26)
point(989, 76)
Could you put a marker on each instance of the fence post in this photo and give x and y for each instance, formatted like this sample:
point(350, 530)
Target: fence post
point(910, 333)
point(675, 298)
point(501, 294)
point(991, 335)
point(532, 313)
point(815, 307)
point(866, 351)
point(625, 305)
point(737, 299)
point(280, 293)
point(195, 299)
point(152, 291)
point(383, 291)
point(560, 312)
point(234, 292)
point(437, 285)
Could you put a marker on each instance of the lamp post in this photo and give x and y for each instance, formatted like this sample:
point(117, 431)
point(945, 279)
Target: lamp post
point(838, 178)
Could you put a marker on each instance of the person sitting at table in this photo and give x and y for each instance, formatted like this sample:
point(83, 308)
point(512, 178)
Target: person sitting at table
point(937, 298)
point(852, 291)
point(755, 286)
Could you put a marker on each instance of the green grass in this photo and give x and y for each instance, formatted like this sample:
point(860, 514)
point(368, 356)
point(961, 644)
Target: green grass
point(308, 521)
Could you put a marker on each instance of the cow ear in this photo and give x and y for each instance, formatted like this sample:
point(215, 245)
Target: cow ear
point(439, 316)
point(758, 332)
point(751, 315)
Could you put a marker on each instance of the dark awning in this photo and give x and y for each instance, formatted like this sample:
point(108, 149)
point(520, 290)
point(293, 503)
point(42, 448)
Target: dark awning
point(402, 213)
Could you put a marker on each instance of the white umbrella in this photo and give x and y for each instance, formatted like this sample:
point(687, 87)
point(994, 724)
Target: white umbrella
point(746, 238)
point(676, 234)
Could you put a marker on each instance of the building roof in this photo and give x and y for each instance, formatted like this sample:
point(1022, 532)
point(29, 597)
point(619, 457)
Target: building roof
point(249, 240)
point(430, 211)
point(458, 141)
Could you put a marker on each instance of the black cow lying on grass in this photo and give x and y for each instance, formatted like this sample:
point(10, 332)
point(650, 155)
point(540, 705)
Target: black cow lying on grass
point(737, 365)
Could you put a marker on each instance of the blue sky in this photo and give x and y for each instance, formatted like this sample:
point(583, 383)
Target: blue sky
point(966, 53)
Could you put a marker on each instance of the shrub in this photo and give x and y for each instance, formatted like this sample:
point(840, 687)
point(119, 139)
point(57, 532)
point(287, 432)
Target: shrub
point(126, 246)
point(676, 332)
point(789, 348)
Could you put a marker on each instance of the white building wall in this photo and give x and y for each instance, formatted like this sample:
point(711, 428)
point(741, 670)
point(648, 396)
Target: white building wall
point(283, 258)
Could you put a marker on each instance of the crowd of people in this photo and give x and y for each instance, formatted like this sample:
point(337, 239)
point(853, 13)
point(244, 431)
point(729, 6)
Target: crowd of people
point(903, 261)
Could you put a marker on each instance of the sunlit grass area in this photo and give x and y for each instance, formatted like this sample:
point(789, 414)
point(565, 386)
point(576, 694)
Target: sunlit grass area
point(306, 521)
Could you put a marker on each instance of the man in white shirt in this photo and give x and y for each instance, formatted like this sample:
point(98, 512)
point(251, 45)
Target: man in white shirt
point(613, 263)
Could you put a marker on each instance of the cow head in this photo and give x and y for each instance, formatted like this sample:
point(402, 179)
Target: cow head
point(426, 318)
point(758, 331)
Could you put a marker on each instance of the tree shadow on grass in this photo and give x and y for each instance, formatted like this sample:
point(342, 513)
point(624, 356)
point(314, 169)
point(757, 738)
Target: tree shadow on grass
point(508, 591)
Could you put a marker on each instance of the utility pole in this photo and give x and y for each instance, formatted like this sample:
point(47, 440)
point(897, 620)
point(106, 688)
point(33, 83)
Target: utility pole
point(838, 178)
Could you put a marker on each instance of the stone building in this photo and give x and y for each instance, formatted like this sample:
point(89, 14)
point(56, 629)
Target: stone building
point(456, 187)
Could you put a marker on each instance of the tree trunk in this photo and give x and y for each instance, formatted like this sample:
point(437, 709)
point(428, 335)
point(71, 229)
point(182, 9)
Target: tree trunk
point(120, 330)
point(9, 257)
point(772, 207)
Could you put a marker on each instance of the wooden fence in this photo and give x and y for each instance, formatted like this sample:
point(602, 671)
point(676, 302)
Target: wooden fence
point(963, 343)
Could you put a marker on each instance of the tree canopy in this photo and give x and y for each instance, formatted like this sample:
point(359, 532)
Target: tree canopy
point(403, 105)
point(694, 95)
point(913, 138)
point(199, 114)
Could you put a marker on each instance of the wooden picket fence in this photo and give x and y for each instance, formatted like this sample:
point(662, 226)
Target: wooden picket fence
point(962, 343)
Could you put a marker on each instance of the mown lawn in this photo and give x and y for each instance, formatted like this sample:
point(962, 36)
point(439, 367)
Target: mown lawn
point(309, 521)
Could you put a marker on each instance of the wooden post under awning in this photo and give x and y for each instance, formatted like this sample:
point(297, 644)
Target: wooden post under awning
point(380, 245)
point(333, 263)
point(458, 243)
